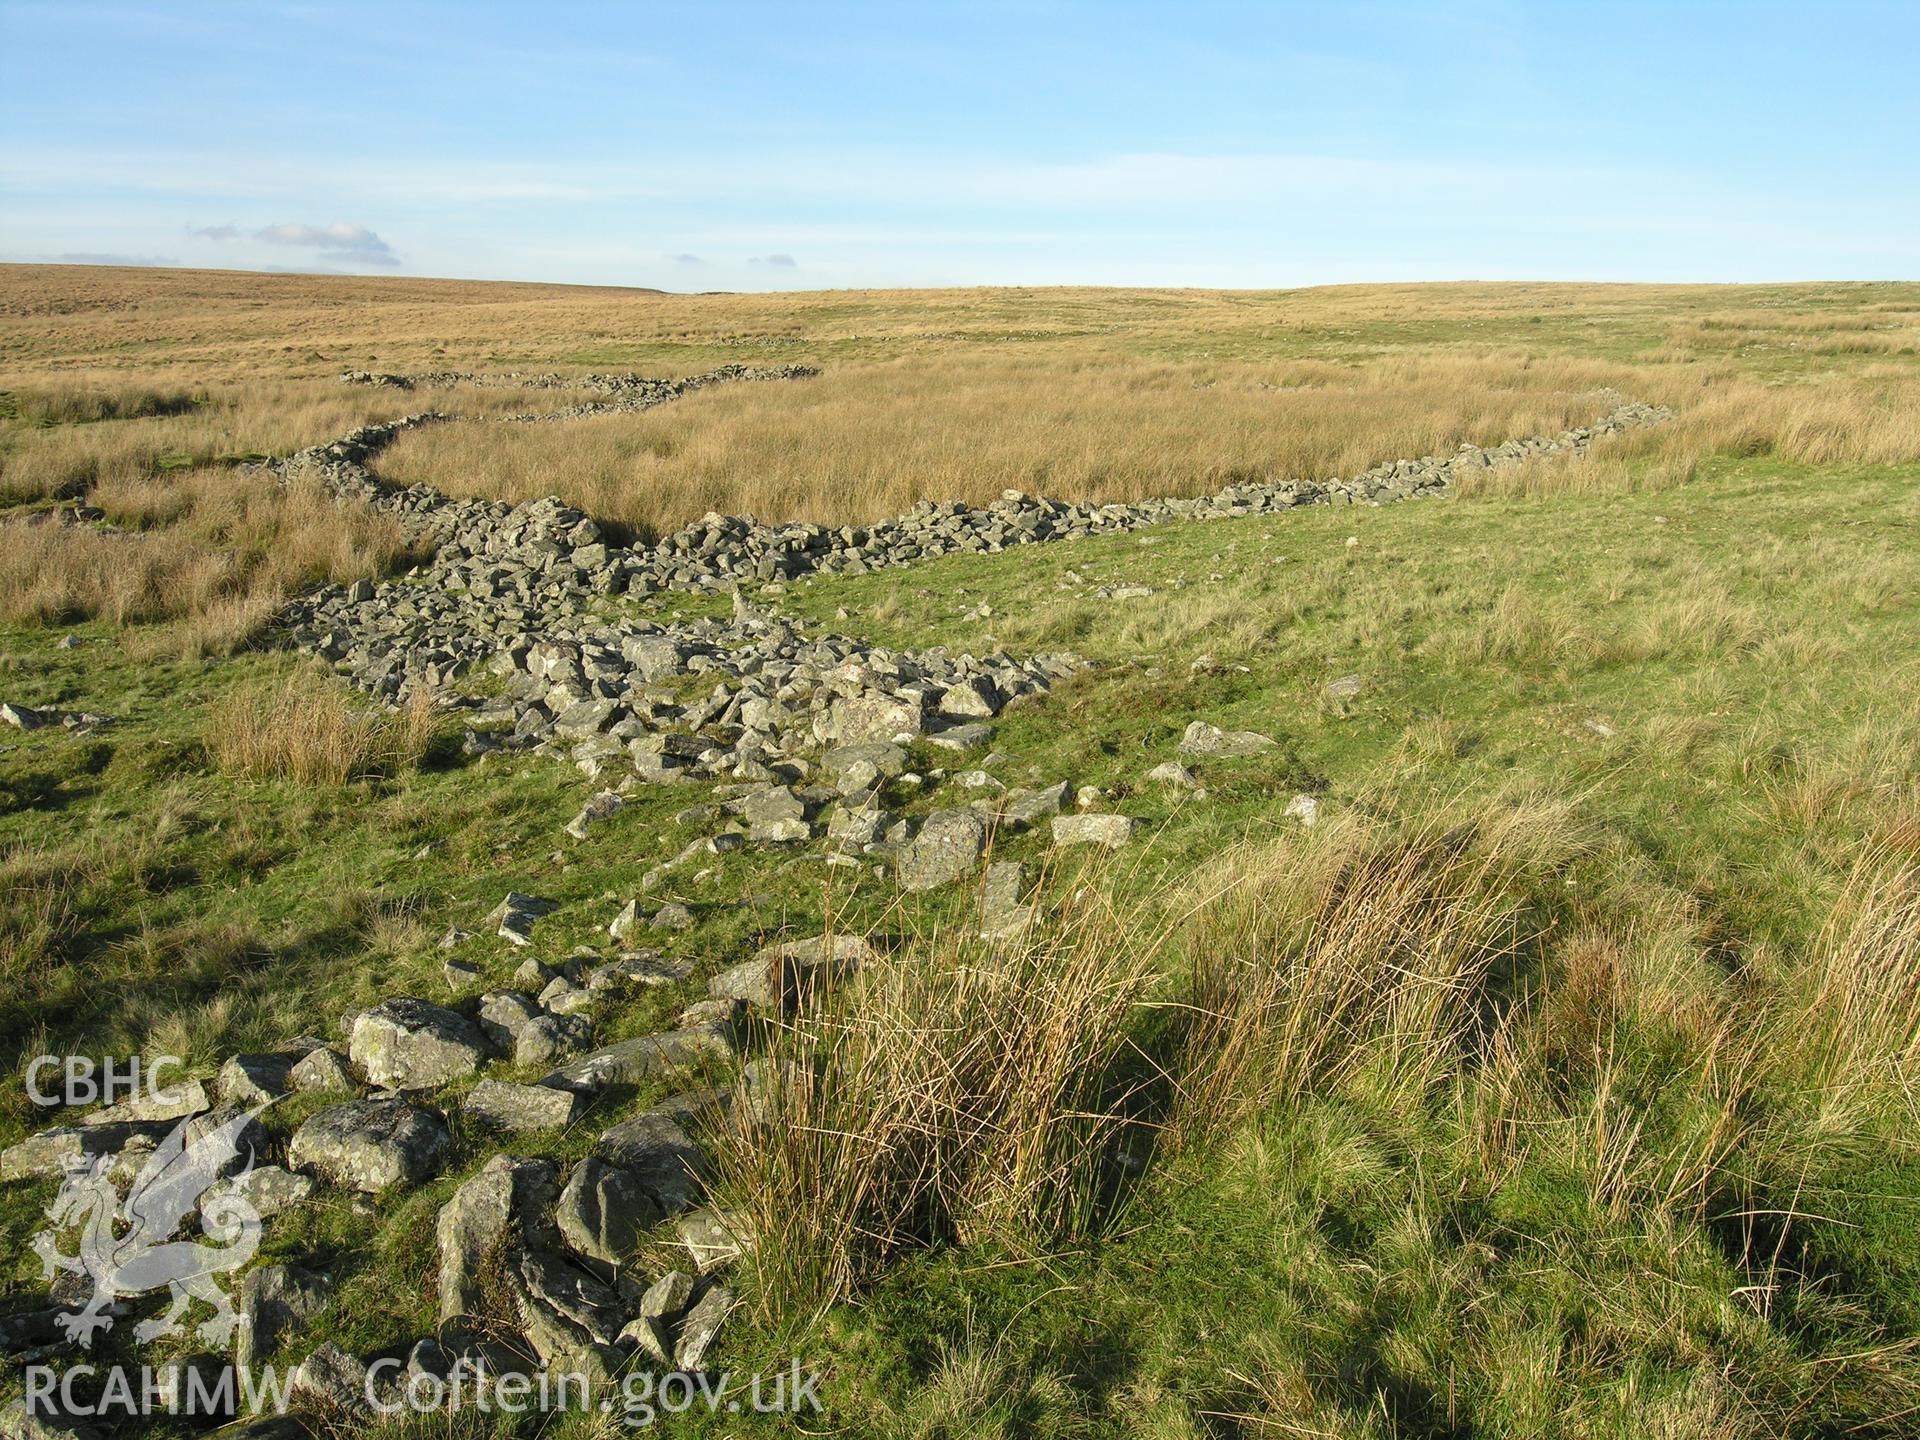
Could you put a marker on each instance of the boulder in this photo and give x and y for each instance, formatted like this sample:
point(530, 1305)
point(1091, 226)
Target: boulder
point(873, 717)
point(408, 1044)
point(655, 1149)
point(501, 1105)
point(370, 1145)
point(276, 1301)
point(1112, 831)
point(1215, 743)
point(949, 844)
point(603, 1211)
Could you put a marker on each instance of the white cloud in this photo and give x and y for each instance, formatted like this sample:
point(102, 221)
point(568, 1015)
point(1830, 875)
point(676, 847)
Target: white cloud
point(349, 242)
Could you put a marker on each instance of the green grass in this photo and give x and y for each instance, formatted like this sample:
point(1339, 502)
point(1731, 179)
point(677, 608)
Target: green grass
point(1714, 681)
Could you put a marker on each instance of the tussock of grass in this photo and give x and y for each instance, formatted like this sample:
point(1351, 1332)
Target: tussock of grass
point(1859, 1040)
point(311, 732)
point(1364, 951)
point(955, 1094)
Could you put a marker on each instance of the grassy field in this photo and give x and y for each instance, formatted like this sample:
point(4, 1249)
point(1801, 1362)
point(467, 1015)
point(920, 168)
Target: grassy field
point(1563, 1079)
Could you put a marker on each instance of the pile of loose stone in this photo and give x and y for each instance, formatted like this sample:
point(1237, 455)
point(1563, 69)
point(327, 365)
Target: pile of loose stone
point(550, 1244)
point(25, 717)
point(625, 393)
point(720, 551)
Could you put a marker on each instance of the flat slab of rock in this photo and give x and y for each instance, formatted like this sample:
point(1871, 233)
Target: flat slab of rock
point(1021, 808)
point(1002, 913)
point(52, 1152)
point(505, 1205)
point(715, 1238)
point(370, 1145)
point(778, 977)
point(949, 844)
point(408, 1044)
point(1112, 831)
point(701, 1327)
point(268, 1188)
point(506, 1106)
point(645, 1057)
point(1210, 740)
point(603, 1211)
point(512, 919)
point(175, 1102)
point(276, 1301)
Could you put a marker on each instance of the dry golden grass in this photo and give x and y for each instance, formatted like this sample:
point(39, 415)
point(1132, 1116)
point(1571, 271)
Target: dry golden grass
point(1859, 1037)
point(304, 729)
point(1100, 394)
point(866, 442)
point(214, 553)
point(1360, 952)
point(955, 1093)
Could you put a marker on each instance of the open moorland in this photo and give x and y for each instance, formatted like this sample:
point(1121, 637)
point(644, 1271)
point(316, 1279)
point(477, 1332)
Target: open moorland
point(1340, 862)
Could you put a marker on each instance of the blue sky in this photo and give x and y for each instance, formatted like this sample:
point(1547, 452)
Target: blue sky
point(804, 146)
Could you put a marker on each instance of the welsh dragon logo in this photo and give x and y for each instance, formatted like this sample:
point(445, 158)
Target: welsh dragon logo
point(127, 1247)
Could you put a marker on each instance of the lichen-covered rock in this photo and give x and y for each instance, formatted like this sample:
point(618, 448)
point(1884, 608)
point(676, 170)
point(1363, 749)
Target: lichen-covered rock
point(949, 844)
point(408, 1044)
point(370, 1145)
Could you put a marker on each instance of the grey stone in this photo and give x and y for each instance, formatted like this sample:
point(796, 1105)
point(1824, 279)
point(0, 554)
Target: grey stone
point(1002, 915)
point(1215, 743)
point(502, 1208)
point(323, 1068)
point(276, 1301)
point(1021, 808)
point(947, 847)
point(672, 916)
point(603, 1211)
point(656, 1150)
point(646, 1057)
point(173, 1102)
point(268, 1188)
point(602, 806)
point(332, 1378)
point(506, 1106)
point(370, 1145)
point(1112, 831)
point(715, 1238)
point(883, 757)
point(701, 1328)
point(252, 1079)
point(408, 1044)
point(875, 717)
point(1172, 774)
point(627, 921)
point(53, 1152)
